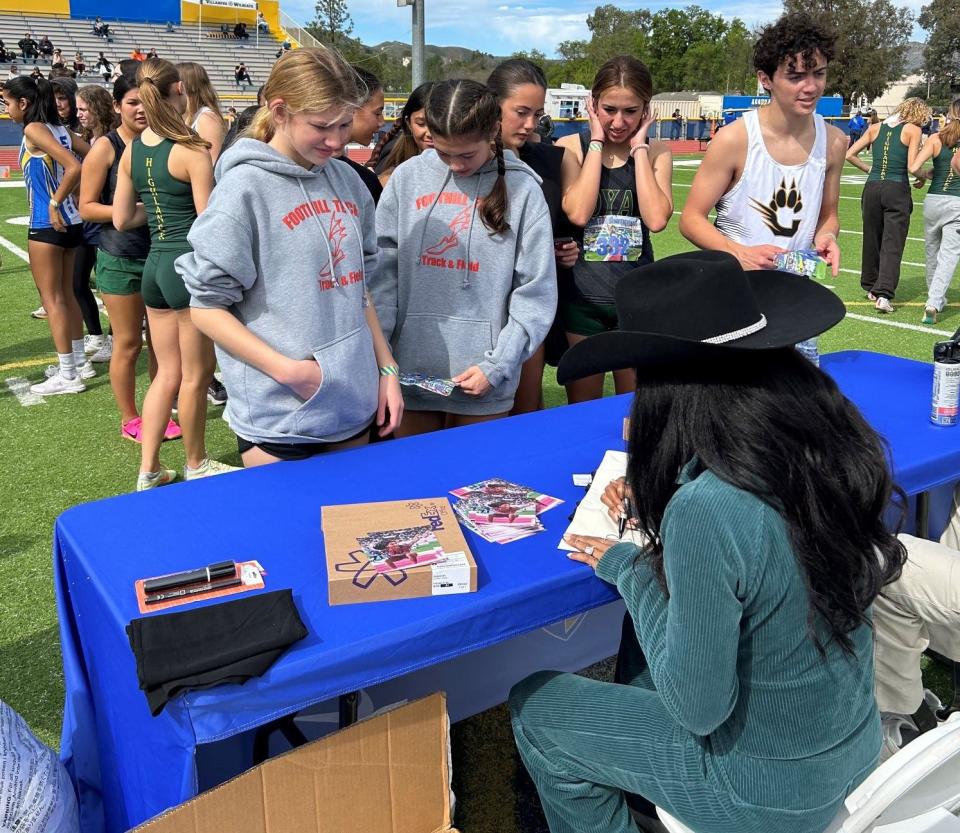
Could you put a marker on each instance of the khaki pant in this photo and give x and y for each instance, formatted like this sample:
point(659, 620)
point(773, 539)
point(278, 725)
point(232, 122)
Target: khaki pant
point(919, 610)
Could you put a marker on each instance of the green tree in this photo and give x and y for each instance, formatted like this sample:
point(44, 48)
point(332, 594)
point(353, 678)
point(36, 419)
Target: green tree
point(617, 32)
point(673, 32)
point(534, 55)
point(872, 36)
point(332, 22)
point(941, 56)
point(433, 68)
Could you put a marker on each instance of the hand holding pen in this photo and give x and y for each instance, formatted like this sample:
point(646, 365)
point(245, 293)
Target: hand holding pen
point(619, 502)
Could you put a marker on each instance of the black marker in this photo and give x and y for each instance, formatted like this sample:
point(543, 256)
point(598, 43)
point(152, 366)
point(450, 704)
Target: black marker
point(193, 591)
point(222, 569)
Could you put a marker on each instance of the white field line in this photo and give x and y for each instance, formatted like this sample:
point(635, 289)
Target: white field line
point(899, 324)
point(15, 183)
point(13, 247)
point(20, 388)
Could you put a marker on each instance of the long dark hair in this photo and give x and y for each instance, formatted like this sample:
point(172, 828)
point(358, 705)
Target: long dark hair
point(775, 426)
point(42, 105)
point(467, 108)
point(405, 147)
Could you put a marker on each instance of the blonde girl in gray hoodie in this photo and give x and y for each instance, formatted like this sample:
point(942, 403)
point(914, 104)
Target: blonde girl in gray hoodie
point(467, 287)
point(278, 274)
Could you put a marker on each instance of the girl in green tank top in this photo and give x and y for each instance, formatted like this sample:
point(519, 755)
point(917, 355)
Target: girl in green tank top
point(941, 211)
point(164, 179)
point(887, 204)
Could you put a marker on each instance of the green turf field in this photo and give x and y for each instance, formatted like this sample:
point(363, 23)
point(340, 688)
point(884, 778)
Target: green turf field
point(68, 450)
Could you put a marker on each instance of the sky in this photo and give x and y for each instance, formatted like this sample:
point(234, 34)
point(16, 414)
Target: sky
point(501, 27)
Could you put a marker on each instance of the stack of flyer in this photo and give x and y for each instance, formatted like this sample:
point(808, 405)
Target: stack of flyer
point(500, 511)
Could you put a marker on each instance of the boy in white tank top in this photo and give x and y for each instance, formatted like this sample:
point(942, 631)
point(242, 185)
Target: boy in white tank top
point(774, 175)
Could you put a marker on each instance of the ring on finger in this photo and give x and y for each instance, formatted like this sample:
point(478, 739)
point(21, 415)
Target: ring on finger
point(588, 550)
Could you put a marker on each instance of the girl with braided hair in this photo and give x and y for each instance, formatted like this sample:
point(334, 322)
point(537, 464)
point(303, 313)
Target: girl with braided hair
point(467, 287)
point(408, 137)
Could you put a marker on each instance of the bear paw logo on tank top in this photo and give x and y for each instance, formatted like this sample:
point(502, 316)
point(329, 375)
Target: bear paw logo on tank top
point(461, 222)
point(783, 201)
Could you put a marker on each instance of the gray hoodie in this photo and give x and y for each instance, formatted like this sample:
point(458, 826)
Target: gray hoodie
point(449, 293)
point(288, 251)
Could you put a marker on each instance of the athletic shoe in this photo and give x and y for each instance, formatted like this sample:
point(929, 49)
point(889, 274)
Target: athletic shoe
point(871, 296)
point(207, 468)
point(103, 351)
point(92, 343)
point(57, 384)
point(39, 312)
point(884, 305)
point(85, 371)
point(132, 430)
point(900, 729)
point(216, 392)
point(929, 316)
point(151, 479)
point(173, 431)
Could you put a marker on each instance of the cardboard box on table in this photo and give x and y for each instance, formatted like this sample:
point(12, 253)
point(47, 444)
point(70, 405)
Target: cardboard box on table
point(389, 774)
point(352, 579)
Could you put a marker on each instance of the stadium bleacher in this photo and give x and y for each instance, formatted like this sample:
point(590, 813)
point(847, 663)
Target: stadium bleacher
point(218, 54)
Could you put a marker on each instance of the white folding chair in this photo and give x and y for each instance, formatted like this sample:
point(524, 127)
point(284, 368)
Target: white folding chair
point(917, 790)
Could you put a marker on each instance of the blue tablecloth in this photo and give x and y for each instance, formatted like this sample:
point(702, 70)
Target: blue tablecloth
point(129, 766)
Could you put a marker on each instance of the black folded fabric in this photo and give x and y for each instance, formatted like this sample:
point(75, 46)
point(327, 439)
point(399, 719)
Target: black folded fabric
point(228, 642)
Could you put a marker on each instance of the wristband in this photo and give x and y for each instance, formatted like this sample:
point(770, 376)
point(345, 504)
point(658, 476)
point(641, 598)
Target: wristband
point(639, 147)
point(389, 370)
point(54, 203)
point(595, 146)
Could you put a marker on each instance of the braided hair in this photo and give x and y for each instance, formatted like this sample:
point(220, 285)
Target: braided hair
point(465, 108)
point(405, 146)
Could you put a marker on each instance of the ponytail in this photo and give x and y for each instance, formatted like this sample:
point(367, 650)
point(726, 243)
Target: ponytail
point(950, 132)
point(467, 108)
point(493, 212)
point(41, 106)
point(261, 127)
point(154, 78)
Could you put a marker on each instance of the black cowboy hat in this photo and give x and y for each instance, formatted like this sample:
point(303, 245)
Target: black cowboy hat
point(699, 306)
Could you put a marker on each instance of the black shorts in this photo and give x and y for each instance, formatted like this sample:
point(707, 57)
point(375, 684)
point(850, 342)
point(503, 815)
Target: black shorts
point(294, 451)
point(69, 239)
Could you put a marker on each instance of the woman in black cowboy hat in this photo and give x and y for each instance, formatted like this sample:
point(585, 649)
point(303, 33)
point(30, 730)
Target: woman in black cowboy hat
point(745, 699)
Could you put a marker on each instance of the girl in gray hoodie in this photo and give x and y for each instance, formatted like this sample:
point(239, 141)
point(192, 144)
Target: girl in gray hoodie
point(278, 273)
point(467, 286)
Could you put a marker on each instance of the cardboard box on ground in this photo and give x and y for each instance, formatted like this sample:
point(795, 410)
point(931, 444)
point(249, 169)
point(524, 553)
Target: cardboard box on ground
point(389, 774)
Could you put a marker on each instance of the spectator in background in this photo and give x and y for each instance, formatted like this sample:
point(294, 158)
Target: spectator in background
point(242, 77)
point(104, 67)
point(224, 29)
point(169, 27)
point(203, 106)
point(856, 127)
point(28, 48)
point(56, 60)
point(101, 29)
point(13, 72)
point(874, 118)
point(138, 54)
point(284, 47)
point(152, 54)
point(230, 116)
point(36, 73)
point(677, 125)
point(79, 64)
point(262, 24)
point(45, 47)
point(240, 31)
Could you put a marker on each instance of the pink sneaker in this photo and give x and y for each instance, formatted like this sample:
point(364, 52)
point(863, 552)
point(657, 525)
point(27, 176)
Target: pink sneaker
point(173, 431)
point(132, 430)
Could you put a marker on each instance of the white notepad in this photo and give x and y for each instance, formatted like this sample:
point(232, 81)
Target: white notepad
point(591, 517)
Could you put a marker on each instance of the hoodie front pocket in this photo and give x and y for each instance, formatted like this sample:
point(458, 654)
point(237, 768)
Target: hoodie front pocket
point(441, 345)
point(347, 396)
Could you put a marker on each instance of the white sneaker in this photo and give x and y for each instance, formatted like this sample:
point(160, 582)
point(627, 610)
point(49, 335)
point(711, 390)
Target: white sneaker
point(85, 371)
point(39, 312)
point(92, 343)
point(147, 480)
point(896, 731)
point(57, 384)
point(105, 351)
point(207, 468)
point(884, 305)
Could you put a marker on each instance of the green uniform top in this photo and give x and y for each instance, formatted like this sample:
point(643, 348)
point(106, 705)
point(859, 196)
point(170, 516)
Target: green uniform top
point(945, 180)
point(889, 155)
point(730, 651)
point(168, 201)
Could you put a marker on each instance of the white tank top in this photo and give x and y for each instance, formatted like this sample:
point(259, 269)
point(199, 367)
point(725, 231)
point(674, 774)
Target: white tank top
point(196, 118)
point(774, 203)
